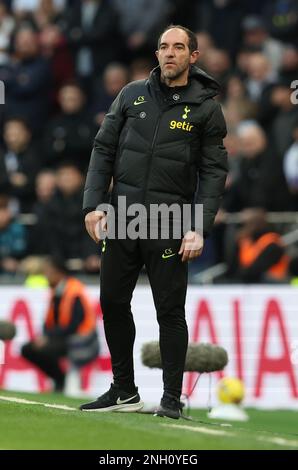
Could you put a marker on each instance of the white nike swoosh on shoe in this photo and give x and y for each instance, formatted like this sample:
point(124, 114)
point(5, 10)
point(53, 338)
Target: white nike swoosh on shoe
point(120, 402)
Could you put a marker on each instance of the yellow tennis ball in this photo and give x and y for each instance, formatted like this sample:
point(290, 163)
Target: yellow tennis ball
point(230, 390)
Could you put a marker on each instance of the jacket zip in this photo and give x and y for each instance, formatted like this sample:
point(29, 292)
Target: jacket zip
point(151, 154)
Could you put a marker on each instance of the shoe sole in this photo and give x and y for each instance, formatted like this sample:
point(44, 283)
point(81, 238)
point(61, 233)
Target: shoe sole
point(164, 414)
point(125, 408)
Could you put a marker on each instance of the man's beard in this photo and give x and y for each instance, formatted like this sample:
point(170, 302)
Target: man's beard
point(174, 74)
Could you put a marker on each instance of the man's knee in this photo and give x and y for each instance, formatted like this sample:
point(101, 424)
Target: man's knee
point(114, 310)
point(172, 318)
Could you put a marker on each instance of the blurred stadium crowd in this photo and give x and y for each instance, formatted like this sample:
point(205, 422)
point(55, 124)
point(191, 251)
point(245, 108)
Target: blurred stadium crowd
point(64, 61)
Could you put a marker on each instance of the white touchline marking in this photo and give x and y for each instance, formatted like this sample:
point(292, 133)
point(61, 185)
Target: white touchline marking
point(24, 401)
point(200, 429)
point(60, 407)
point(279, 441)
point(273, 440)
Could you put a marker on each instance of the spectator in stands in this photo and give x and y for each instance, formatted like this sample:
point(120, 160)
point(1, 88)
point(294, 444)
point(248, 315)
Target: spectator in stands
point(289, 63)
point(140, 69)
point(259, 254)
point(115, 77)
point(287, 112)
point(63, 218)
point(217, 64)
point(237, 106)
point(257, 184)
point(69, 328)
point(54, 48)
point(27, 80)
point(69, 135)
point(23, 8)
point(19, 162)
point(282, 18)
point(47, 12)
point(223, 22)
point(206, 44)
point(141, 21)
point(91, 29)
point(290, 165)
point(13, 240)
point(45, 188)
point(260, 76)
point(256, 38)
point(7, 24)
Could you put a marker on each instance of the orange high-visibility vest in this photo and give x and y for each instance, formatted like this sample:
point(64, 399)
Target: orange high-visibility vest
point(250, 250)
point(73, 289)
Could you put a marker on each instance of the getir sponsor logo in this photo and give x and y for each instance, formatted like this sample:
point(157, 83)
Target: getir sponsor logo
point(184, 126)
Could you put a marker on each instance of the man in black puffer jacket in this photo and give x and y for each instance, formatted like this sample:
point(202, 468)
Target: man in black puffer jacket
point(162, 143)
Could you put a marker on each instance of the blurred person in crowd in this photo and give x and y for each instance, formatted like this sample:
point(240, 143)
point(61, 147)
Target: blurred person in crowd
point(260, 76)
point(45, 187)
point(286, 112)
point(237, 106)
point(69, 135)
point(19, 162)
point(259, 254)
point(115, 77)
point(140, 69)
point(27, 79)
point(232, 144)
point(242, 62)
point(91, 29)
point(69, 329)
point(290, 166)
point(7, 25)
point(47, 12)
point(66, 235)
point(13, 239)
point(217, 63)
point(55, 49)
point(221, 230)
point(282, 19)
point(205, 44)
point(141, 21)
point(223, 22)
point(260, 181)
point(289, 63)
point(256, 38)
point(32, 268)
point(23, 8)
point(4, 53)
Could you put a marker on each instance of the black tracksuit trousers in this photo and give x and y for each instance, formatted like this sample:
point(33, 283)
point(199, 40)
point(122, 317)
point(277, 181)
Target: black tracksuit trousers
point(122, 261)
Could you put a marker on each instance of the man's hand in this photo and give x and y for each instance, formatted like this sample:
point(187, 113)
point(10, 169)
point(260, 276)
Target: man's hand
point(191, 246)
point(40, 342)
point(94, 221)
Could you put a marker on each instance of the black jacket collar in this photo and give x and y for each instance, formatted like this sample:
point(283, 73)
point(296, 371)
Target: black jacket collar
point(200, 86)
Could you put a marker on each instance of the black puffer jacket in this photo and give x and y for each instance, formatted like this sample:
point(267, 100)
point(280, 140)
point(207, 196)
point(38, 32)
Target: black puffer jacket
point(158, 142)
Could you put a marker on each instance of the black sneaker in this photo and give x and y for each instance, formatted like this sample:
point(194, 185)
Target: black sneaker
point(115, 400)
point(170, 407)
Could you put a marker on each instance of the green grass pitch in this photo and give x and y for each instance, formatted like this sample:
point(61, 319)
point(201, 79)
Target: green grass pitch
point(35, 426)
